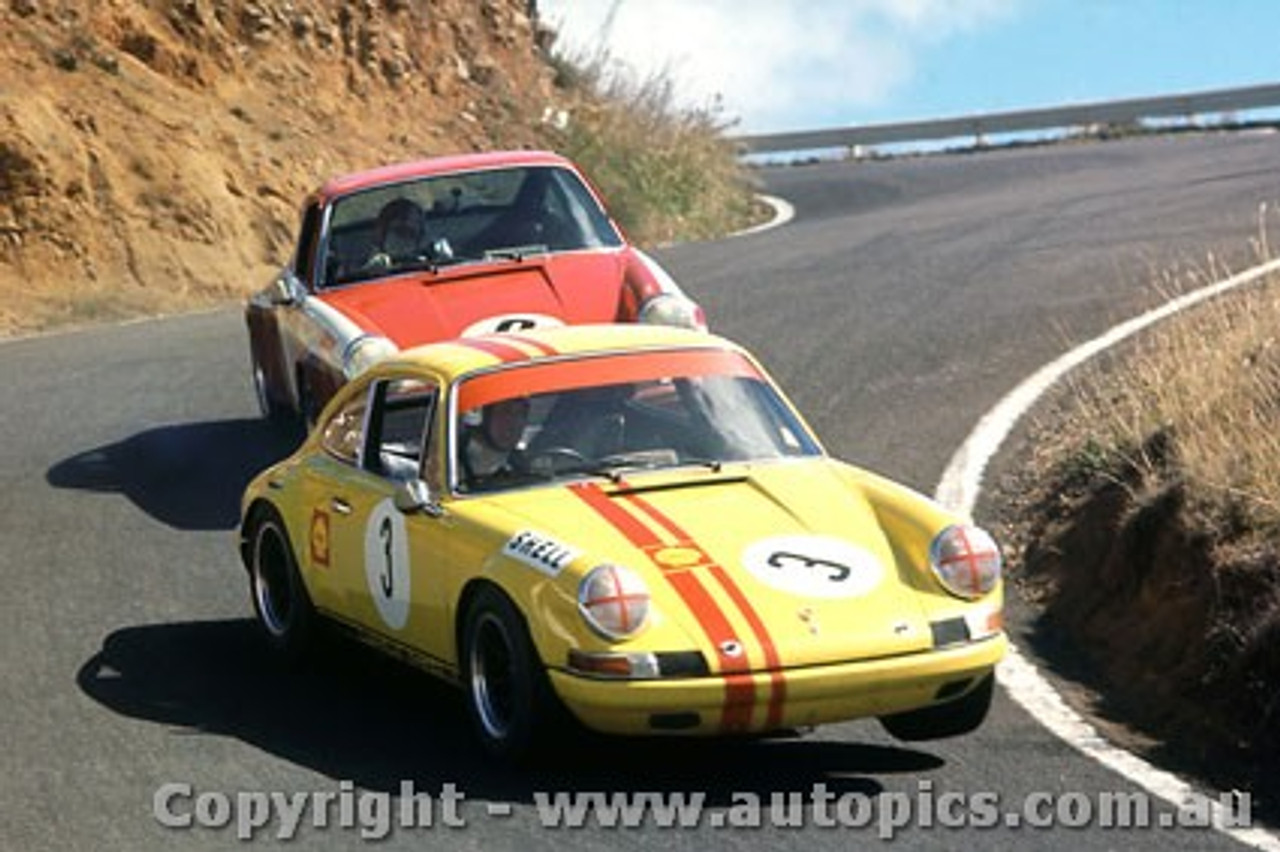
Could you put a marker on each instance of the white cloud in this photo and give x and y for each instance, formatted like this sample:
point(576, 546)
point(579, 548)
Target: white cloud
point(774, 63)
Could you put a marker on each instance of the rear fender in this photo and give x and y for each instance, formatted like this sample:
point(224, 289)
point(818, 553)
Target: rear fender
point(267, 353)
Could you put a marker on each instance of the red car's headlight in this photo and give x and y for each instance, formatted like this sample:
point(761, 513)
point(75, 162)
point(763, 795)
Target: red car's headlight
point(966, 560)
point(672, 309)
point(363, 352)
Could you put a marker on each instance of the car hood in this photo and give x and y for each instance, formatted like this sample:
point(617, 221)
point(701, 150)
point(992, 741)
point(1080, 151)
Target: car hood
point(426, 306)
point(791, 556)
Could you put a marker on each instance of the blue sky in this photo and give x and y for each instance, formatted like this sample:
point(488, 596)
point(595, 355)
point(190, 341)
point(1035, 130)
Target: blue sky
point(799, 64)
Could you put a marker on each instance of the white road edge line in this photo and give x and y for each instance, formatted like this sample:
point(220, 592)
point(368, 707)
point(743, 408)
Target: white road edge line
point(959, 489)
point(783, 212)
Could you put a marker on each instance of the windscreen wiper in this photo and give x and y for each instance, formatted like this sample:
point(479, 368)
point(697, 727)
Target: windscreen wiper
point(612, 467)
point(516, 253)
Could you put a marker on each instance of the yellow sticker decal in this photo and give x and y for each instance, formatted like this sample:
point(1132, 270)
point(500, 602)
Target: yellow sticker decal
point(320, 538)
point(677, 557)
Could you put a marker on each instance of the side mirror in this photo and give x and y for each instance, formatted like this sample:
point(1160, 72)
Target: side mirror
point(415, 496)
point(285, 290)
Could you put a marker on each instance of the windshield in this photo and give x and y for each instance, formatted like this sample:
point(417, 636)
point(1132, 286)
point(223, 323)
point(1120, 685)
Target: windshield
point(550, 422)
point(462, 218)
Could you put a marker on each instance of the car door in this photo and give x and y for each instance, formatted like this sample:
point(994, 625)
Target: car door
point(280, 329)
point(380, 576)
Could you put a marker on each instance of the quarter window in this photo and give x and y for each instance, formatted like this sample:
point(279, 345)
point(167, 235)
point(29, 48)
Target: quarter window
point(344, 433)
point(398, 428)
point(304, 256)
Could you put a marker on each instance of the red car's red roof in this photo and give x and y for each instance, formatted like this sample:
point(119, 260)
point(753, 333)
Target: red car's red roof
point(344, 184)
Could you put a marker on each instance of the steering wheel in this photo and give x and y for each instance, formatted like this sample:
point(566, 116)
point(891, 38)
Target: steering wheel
point(553, 460)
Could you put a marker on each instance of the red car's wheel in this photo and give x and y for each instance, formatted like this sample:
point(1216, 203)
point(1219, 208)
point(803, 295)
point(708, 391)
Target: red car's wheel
point(267, 405)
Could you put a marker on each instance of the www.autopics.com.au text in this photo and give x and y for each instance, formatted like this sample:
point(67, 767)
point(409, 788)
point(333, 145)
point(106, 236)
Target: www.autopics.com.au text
point(374, 815)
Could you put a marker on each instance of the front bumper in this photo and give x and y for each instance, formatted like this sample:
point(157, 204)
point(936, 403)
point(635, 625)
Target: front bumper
point(761, 701)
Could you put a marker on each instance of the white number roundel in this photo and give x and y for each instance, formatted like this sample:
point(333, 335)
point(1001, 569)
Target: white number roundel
point(386, 563)
point(813, 566)
point(510, 322)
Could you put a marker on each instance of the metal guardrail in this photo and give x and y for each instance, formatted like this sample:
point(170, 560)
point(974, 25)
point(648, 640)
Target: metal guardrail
point(982, 125)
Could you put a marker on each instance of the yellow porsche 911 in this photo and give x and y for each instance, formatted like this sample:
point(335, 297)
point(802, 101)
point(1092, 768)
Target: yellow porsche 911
point(630, 523)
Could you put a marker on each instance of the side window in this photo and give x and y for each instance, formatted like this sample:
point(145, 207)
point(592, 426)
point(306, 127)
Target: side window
point(581, 208)
point(398, 427)
point(304, 259)
point(344, 433)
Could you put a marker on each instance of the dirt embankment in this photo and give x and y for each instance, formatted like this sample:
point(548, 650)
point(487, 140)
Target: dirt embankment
point(1163, 620)
point(153, 154)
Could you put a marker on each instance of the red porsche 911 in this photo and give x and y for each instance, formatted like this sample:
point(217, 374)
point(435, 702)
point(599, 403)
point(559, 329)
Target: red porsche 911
point(438, 249)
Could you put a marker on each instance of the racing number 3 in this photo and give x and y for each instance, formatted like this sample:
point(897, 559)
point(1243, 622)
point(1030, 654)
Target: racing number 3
point(813, 566)
point(387, 573)
point(782, 559)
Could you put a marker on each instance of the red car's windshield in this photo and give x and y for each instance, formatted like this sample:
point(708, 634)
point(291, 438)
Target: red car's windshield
point(460, 218)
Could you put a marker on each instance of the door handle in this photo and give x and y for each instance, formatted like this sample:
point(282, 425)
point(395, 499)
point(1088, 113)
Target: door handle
point(340, 506)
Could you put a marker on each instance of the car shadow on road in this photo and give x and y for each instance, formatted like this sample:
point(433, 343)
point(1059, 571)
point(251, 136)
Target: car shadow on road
point(354, 714)
point(187, 475)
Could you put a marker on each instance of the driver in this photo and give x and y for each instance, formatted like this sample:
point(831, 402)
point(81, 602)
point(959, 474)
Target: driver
point(589, 421)
point(490, 445)
point(398, 233)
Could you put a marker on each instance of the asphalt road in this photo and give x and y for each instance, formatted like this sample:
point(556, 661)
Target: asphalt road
point(905, 299)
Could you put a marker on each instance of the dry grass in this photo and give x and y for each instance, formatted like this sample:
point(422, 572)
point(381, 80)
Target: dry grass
point(666, 169)
point(1203, 391)
point(1142, 508)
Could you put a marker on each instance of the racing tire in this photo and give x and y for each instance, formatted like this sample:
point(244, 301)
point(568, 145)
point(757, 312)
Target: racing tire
point(509, 699)
point(272, 411)
point(308, 409)
point(951, 719)
point(281, 604)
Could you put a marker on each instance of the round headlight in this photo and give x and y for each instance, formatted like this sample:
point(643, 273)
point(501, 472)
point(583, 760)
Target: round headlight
point(363, 352)
point(966, 561)
point(673, 309)
point(614, 601)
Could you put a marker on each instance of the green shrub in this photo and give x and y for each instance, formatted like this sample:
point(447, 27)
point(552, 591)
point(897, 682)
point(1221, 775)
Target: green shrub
point(668, 171)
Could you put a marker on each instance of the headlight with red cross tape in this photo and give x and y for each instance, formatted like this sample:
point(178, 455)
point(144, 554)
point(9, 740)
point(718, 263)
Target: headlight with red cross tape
point(614, 601)
point(966, 560)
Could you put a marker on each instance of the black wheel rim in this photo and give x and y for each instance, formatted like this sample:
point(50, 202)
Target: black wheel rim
point(272, 585)
point(493, 688)
point(260, 390)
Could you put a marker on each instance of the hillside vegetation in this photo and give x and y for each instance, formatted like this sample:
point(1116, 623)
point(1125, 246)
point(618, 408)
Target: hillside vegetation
point(153, 153)
point(1143, 514)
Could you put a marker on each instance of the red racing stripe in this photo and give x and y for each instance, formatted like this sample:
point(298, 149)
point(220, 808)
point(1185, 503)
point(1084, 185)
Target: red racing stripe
point(622, 520)
point(740, 691)
point(739, 698)
point(504, 352)
point(778, 691)
point(778, 697)
point(544, 348)
point(657, 517)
